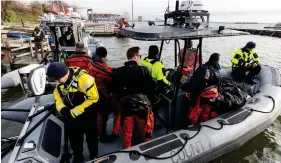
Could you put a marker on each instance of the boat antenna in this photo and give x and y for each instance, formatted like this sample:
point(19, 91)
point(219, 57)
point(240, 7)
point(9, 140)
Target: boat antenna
point(177, 5)
point(168, 8)
point(133, 11)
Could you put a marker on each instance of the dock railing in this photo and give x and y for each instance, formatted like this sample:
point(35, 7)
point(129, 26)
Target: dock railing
point(100, 29)
point(18, 48)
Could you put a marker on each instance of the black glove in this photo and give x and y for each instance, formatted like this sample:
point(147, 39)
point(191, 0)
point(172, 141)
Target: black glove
point(65, 112)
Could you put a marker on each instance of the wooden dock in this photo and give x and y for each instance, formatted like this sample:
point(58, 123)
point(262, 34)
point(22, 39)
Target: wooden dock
point(27, 28)
point(261, 32)
point(96, 29)
point(16, 49)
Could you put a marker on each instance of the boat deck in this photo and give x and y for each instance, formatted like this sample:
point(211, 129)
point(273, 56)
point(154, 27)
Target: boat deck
point(109, 147)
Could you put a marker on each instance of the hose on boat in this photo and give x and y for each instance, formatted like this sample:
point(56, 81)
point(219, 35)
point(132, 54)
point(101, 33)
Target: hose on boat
point(253, 110)
point(135, 152)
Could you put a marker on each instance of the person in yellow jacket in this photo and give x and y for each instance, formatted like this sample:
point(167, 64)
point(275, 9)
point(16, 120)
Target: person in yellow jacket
point(75, 96)
point(153, 63)
point(245, 60)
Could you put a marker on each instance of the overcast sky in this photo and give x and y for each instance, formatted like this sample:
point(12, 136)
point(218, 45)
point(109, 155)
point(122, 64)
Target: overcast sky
point(221, 10)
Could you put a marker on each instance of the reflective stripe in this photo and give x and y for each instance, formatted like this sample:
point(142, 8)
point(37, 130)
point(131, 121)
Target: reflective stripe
point(90, 87)
point(75, 112)
point(74, 84)
point(60, 106)
point(86, 85)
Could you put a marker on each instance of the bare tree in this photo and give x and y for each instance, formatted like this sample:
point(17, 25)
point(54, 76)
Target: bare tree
point(4, 7)
point(35, 7)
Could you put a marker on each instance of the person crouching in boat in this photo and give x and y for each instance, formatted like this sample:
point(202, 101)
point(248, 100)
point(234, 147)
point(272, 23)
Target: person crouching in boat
point(97, 68)
point(134, 88)
point(245, 60)
point(75, 96)
point(202, 89)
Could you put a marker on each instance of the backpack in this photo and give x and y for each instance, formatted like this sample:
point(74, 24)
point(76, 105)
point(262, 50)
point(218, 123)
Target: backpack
point(230, 97)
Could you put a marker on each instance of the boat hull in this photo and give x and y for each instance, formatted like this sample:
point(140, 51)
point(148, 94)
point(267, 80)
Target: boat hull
point(217, 137)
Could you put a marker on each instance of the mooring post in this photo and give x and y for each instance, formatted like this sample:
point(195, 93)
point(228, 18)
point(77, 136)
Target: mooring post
point(9, 54)
point(30, 48)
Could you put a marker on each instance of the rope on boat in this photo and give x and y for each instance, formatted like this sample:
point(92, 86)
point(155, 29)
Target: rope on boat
point(135, 152)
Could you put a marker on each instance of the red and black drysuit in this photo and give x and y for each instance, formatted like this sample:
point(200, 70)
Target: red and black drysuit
point(203, 88)
point(102, 74)
point(133, 85)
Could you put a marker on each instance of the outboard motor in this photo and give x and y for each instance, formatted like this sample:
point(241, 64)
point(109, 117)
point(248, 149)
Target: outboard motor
point(42, 136)
point(33, 79)
point(16, 77)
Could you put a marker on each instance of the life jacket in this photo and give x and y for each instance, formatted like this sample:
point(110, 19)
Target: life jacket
point(202, 110)
point(71, 91)
point(189, 60)
point(242, 56)
point(78, 93)
point(156, 68)
point(38, 35)
point(99, 71)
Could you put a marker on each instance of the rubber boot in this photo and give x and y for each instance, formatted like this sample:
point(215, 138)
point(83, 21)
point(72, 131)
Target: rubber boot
point(78, 159)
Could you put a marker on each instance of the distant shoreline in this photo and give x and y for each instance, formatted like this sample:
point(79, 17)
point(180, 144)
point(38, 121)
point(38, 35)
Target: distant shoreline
point(242, 22)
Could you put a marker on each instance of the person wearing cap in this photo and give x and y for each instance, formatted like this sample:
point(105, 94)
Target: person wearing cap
point(39, 37)
point(153, 63)
point(97, 67)
point(135, 89)
point(205, 84)
point(75, 96)
point(67, 39)
point(245, 60)
point(105, 106)
point(157, 68)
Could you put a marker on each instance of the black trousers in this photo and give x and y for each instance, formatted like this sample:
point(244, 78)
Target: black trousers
point(104, 109)
point(239, 73)
point(85, 123)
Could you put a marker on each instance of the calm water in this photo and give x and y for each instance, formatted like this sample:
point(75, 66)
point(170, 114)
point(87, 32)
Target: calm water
point(264, 147)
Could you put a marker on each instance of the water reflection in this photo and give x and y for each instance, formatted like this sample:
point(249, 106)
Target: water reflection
point(266, 146)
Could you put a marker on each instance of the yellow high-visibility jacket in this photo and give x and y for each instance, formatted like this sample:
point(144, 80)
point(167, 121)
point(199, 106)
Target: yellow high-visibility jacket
point(156, 69)
point(81, 82)
point(241, 56)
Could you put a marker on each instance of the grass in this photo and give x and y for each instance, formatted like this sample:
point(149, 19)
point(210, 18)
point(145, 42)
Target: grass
point(16, 17)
